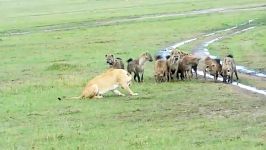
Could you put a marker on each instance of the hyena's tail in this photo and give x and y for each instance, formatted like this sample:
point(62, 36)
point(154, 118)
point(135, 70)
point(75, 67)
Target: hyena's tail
point(129, 60)
point(230, 55)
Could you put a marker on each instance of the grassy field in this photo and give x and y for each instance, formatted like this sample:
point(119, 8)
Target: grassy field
point(64, 12)
point(38, 67)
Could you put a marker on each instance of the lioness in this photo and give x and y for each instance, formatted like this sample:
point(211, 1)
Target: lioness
point(116, 63)
point(228, 69)
point(107, 81)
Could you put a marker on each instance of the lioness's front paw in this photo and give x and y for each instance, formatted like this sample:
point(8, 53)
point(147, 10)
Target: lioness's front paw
point(122, 95)
point(134, 94)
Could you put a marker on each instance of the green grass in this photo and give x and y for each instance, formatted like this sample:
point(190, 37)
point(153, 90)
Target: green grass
point(39, 67)
point(171, 119)
point(60, 12)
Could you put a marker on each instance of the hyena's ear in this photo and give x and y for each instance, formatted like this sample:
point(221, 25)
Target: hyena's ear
point(112, 55)
point(106, 55)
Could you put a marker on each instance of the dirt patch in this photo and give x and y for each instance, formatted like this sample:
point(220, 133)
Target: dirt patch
point(61, 67)
point(101, 42)
point(70, 112)
point(59, 60)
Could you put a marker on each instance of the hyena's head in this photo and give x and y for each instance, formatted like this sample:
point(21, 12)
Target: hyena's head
point(110, 59)
point(147, 56)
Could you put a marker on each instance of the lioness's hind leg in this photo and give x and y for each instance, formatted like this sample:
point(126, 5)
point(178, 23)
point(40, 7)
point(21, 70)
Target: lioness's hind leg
point(98, 96)
point(91, 92)
point(118, 93)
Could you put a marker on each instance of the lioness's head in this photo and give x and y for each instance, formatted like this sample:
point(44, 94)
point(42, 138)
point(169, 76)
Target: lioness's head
point(109, 59)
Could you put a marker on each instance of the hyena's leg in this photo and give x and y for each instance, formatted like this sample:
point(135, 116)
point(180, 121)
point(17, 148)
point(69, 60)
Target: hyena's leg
point(142, 76)
point(204, 73)
point(216, 77)
point(224, 76)
point(171, 75)
point(135, 77)
point(232, 74)
point(137, 74)
point(177, 75)
point(182, 76)
point(236, 75)
point(186, 74)
point(168, 76)
point(195, 69)
point(155, 77)
point(190, 74)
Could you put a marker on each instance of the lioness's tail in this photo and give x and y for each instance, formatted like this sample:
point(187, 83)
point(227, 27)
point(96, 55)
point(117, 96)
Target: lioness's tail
point(90, 92)
point(68, 98)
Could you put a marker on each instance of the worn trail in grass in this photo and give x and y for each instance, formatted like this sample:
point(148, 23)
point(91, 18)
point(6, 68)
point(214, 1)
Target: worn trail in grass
point(105, 22)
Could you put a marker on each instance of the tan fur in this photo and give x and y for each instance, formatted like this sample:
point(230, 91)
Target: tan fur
point(160, 70)
point(110, 80)
point(178, 52)
point(187, 62)
point(137, 66)
point(212, 67)
point(116, 63)
point(173, 64)
point(228, 69)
